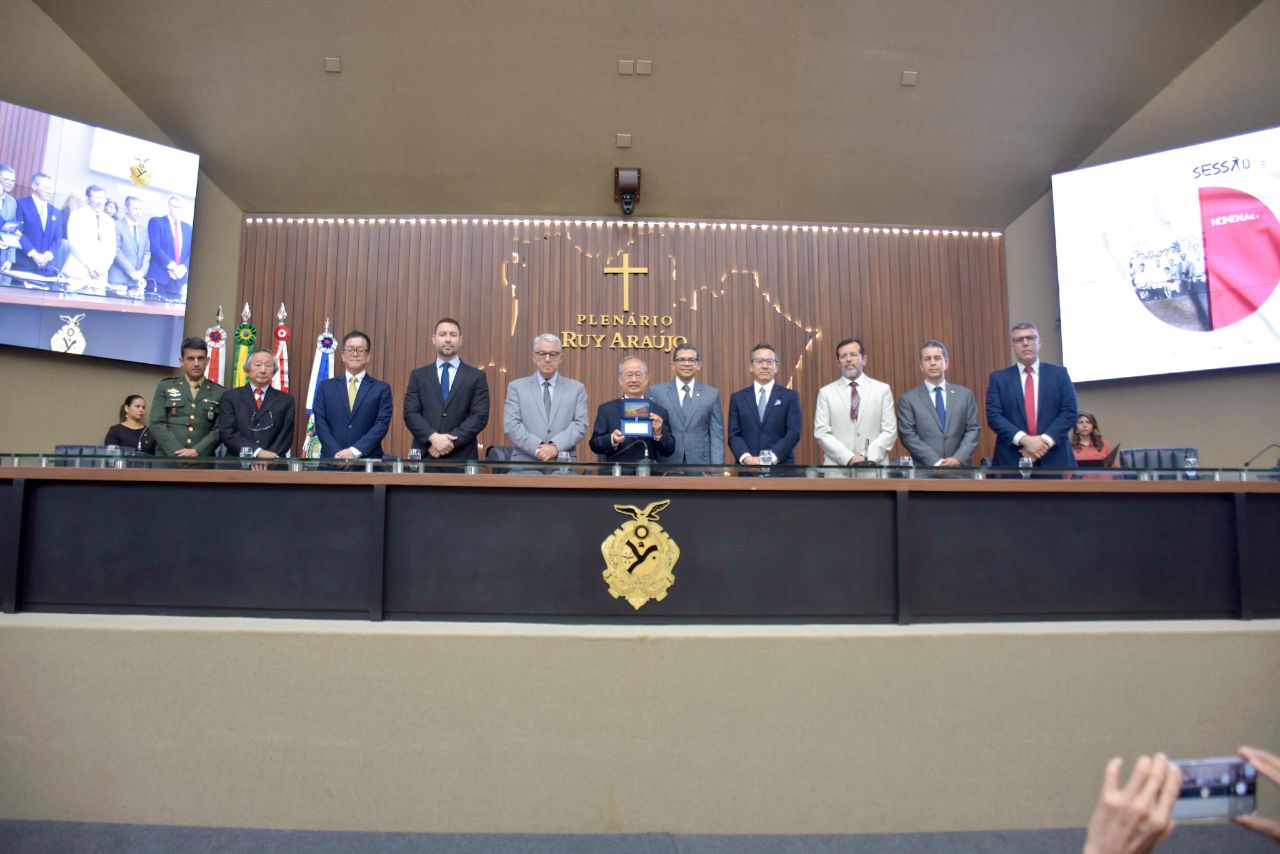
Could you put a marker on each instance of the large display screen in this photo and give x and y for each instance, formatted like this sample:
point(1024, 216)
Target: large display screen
point(95, 239)
point(1169, 263)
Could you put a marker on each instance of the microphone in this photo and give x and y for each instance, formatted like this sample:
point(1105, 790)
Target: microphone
point(1260, 453)
point(629, 445)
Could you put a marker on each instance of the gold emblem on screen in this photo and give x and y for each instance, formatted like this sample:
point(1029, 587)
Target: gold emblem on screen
point(140, 173)
point(640, 556)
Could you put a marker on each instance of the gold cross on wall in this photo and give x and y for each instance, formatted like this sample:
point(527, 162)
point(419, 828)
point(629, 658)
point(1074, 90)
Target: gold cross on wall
point(626, 270)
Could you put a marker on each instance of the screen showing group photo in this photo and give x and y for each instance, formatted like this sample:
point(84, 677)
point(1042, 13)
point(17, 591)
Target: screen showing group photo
point(95, 238)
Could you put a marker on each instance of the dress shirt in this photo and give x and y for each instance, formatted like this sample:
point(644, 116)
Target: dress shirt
point(1035, 382)
point(359, 378)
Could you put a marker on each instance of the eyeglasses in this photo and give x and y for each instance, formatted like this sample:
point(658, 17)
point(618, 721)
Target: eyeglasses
point(1026, 339)
point(686, 361)
point(355, 351)
point(539, 355)
point(634, 375)
point(764, 361)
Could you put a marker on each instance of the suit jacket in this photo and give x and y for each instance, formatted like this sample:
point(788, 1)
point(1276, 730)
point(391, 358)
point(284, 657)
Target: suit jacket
point(698, 427)
point(922, 433)
point(464, 416)
point(160, 236)
point(526, 423)
point(8, 214)
point(778, 432)
point(840, 438)
point(1055, 407)
point(131, 258)
point(609, 418)
point(37, 237)
point(339, 426)
point(241, 424)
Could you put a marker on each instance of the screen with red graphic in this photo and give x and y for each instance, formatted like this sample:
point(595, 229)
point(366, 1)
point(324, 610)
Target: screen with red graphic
point(1169, 263)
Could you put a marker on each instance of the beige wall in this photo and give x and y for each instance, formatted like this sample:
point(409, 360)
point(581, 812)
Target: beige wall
point(493, 728)
point(1230, 415)
point(51, 398)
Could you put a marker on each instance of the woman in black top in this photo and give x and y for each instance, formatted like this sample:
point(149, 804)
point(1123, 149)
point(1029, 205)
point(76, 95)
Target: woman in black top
point(132, 430)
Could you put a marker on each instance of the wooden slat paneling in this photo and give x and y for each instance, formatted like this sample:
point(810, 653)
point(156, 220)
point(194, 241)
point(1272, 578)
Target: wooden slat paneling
point(727, 286)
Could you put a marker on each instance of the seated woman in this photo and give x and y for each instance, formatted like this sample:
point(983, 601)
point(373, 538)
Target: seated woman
point(132, 430)
point(1087, 441)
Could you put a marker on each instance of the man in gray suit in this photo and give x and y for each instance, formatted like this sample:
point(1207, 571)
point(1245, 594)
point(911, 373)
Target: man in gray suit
point(697, 424)
point(133, 248)
point(938, 420)
point(545, 414)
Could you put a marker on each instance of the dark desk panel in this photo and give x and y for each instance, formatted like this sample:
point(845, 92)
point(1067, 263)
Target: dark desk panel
point(490, 546)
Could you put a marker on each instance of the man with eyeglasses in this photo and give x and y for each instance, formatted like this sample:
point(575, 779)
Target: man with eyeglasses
point(764, 416)
point(853, 420)
point(353, 411)
point(607, 438)
point(545, 414)
point(1031, 406)
point(256, 416)
point(696, 424)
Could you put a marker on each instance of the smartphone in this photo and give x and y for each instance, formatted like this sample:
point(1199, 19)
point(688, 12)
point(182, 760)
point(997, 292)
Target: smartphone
point(1217, 788)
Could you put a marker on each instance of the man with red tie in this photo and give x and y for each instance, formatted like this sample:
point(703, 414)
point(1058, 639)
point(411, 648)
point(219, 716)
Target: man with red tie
point(1031, 406)
point(255, 415)
point(170, 240)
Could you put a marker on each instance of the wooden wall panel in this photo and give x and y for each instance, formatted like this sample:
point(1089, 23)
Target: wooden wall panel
point(726, 286)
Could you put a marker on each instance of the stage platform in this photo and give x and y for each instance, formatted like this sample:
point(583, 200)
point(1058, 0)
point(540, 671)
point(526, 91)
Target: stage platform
point(504, 728)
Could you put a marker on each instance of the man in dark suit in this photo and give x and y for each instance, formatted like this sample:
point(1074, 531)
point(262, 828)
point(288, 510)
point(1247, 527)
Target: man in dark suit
point(40, 250)
point(352, 411)
point(764, 416)
point(447, 404)
point(696, 422)
point(170, 240)
point(607, 437)
point(1031, 406)
point(938, 420)
point(255, 415)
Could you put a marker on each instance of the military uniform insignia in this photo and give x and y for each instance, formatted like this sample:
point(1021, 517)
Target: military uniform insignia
point(640, 556)
point(70, 338)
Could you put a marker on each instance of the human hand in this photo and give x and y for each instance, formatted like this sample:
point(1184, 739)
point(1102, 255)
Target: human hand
point(855, 459)
point(656, 420)
point(750, 460)
point(547, 452)
point(948, 461)
point(1034, 446)
point(186, 452)
point(616, 437)
point(1131, 820)
point(1268, 765)
point(441, 444)
point(344, 454)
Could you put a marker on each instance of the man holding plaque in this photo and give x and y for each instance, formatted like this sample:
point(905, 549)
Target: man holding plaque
point(631, 428)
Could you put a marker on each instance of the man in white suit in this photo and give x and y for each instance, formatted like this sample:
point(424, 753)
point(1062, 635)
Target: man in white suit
point(545, 414)
point(853, 421)
point(696, 420)
point(938, 420)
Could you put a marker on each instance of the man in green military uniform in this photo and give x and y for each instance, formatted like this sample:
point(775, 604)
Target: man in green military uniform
point(185, 408)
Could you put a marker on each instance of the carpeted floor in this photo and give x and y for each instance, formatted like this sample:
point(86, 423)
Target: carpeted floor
point(47, 837)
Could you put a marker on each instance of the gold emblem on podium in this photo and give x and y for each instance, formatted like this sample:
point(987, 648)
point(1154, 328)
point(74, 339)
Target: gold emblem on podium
point(640, 556)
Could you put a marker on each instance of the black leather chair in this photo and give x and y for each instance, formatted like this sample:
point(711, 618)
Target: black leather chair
point(499, 453)
point(1142, 459)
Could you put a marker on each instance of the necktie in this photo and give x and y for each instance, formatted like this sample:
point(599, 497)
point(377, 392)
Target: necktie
point(937, 404)
point(1029, 401)
point(136, 246)
point(760, 405)
point(177, 241)
point(353, 385)
point(546, 396)
point(444, 381)
point(685, 397)
point(258, 401)
point(853, 401)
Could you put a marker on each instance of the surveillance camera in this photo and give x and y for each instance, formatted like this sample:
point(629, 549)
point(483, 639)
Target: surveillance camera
point(628, 201)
